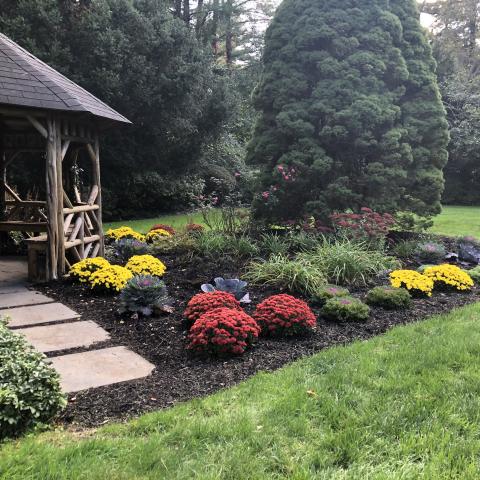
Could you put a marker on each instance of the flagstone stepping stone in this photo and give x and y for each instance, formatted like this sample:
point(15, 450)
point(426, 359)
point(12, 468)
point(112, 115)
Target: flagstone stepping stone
point(80, 371)
point(13, 288)
point(13, 270)
point(62, 336)
point(22, 298)
point(36, 314)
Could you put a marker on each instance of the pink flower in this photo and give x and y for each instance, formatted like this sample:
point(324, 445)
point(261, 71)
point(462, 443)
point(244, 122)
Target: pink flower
point(265, 195)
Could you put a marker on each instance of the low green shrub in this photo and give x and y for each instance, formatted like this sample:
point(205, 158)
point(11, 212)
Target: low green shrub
point(143, 294)
point(346, 262)
point(293, 275)
point(326, 292)
point(30, 392)
point(475, 274)
point(213, 243)
point(345, 309)
point(389, 298)
point(178, 243)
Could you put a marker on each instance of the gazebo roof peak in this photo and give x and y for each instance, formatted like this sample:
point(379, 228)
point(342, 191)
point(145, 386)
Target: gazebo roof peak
point(26, 81)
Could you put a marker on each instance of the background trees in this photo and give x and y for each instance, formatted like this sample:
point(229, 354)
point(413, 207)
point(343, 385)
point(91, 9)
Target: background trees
point(454, 36)
point(350, 111)
point(160, 71)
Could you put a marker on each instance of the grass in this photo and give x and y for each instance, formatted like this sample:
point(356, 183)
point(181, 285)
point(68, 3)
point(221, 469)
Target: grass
point(405, 405)
point(458, 221)
point(176, 221)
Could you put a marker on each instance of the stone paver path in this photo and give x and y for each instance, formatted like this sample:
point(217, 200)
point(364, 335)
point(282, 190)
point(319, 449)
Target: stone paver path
point(50, 327)
point(99, 366)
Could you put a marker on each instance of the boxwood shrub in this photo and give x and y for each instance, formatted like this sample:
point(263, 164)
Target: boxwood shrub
point(30, 391)
point(389, 298)
point(345, 309)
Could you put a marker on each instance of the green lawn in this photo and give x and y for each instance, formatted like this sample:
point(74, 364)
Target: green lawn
point(458, 221)
point(405, 405)
point(143, 226)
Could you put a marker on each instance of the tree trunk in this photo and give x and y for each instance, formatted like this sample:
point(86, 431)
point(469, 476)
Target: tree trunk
point(200, 19)
point(228, 32)
point(214, 36)
point(178, 8)
point(186, 11)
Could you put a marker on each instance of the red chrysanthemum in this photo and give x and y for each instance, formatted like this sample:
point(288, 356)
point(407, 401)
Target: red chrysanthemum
point(284, 315)
point(161, 226)
point(223, 331)
point(204, 302)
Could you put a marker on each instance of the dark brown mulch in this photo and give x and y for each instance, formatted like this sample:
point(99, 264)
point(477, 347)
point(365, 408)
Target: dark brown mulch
point(181, 376)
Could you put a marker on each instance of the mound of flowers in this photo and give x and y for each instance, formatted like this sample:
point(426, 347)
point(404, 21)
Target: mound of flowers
point(162, 226)
point(223, 331)
point(146, 265)
point(82, 270)
point(416, 283)
point(204, 302)
point(116, 234)
point(110, 279)
point(284, 315)
point(449, 276)
point(156, 235)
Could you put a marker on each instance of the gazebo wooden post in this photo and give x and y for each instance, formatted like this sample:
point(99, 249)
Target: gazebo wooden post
point(52, 200)
point(94, 152)
point(60, 194)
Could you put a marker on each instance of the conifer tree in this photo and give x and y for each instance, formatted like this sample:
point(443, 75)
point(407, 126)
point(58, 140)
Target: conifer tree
point(350, 111)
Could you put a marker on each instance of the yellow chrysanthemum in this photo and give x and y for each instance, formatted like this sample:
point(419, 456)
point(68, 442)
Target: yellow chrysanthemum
point(124, 232)
point(449, 276)
point(83, 270)
point(111, 279)
point(157, 234)
point(414, 282)
point(146, 265)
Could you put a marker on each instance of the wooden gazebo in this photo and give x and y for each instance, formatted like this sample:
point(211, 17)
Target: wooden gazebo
point(50, 119)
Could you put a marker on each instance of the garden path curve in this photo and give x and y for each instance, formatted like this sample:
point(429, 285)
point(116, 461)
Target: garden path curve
point(53, 327)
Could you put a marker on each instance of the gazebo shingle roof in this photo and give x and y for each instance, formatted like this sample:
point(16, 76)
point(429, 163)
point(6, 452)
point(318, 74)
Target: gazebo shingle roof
point(26, 81)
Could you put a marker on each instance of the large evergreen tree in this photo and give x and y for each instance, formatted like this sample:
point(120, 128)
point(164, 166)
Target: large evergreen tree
point(350, 111)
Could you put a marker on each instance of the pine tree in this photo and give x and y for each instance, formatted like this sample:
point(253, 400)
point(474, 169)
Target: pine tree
point(350, 111)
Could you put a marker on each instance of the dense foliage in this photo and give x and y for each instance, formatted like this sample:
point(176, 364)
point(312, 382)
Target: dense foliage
point(345, 309)
point(388, 297)
point(350, 111)
point(30, 391)
point(137, 57)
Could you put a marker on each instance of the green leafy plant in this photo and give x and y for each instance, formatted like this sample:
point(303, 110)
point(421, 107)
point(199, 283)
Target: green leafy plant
point(126, 248)
point(272, 244)
point(143, 294)
point(345, 309)
point(30, 392)
point(389, 298)
point(475, 274)
point(431, 252)
point(326, 292)
point(279, 271)
point(346, 262)
point(405, 249)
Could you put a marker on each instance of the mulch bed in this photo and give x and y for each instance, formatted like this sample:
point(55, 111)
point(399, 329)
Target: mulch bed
point(180, 375)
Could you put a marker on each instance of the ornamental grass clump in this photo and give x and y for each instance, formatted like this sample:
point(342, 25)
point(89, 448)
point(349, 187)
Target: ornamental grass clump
point(157, 235)
point(449, 277)
point(111, 279)
point(83, 270)
point(389, 298)
point(204, 302)
point(146, 265)
point(223, 331)
point(284, 315)
point(347, 262)
point(416, 283)
point(30, 392)
point(299, 275)
point(115, 234)
point(143, 294)
point(345, 309)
